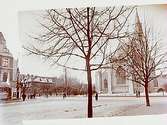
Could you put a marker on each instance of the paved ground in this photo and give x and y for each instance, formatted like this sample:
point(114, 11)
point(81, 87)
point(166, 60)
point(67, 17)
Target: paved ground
point(76, 107)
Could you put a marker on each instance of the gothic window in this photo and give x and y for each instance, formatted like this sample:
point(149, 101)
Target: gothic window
point(5, 77)
point(105, 83)
point(120, 75)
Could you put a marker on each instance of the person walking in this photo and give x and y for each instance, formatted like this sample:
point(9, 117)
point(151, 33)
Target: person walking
point(138, 93)
point(64, 95)
point(96, 96)
point(24, 97)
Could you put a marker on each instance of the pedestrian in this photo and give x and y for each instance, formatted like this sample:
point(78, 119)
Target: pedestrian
point(139, 93)
point(64, 95)
point(24, 97)
point(96, 96)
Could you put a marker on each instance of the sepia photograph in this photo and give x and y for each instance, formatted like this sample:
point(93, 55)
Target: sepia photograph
point(85, 62)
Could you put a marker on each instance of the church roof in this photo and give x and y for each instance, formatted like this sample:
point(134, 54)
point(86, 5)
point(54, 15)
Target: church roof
point(137, 17)
point(138, 30)
point(138, 24)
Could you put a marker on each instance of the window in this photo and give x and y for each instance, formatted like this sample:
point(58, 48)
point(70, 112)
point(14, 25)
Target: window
point(5, 77)
point(14, 94)
point(105, 83)
point(5, 62)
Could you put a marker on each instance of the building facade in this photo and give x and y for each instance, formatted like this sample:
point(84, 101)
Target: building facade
point(112, 79)
point(36, 85)
point(8, 67)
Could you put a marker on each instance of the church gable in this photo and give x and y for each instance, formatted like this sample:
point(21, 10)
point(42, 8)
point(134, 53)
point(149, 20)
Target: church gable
point(120, 82)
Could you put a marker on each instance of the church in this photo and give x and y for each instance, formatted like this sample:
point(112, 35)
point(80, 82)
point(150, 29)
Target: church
point(112, 79)
point(8, 69)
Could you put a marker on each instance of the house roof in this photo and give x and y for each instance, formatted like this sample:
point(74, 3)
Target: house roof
point(1, 37)
point(4, 51)
point(30, 78)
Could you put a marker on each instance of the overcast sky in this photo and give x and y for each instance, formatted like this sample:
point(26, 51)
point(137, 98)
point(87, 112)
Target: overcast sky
point(26, 23)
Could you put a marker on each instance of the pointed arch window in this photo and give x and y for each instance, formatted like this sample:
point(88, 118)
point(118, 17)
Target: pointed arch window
point(105, 83)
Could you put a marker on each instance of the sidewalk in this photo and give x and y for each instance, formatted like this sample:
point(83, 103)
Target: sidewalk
point(139, 120)
point(133, 95)
point(28, 101)
point(10, 101)
point(156, 108)
point(15, 101)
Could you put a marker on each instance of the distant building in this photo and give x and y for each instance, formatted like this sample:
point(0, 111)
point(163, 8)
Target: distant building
point(112, 79)
point(36, 84)
point(162, 81)
point(8, 68)
point(40, 85)
point(31, 80)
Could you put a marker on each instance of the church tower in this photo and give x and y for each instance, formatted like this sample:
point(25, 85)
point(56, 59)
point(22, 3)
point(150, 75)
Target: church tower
point(140, 44)
point(137, 43)
point(138, 25)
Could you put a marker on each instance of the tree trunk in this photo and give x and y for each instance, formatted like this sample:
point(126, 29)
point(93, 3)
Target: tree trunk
point(89, 79)
point(147, 95)
point(87, 59)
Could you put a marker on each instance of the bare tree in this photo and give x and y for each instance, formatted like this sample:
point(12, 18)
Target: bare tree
point(82, 33)
point(144, 58)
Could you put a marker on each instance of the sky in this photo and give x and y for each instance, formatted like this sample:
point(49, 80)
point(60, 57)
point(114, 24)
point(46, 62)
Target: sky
point(15, 26)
